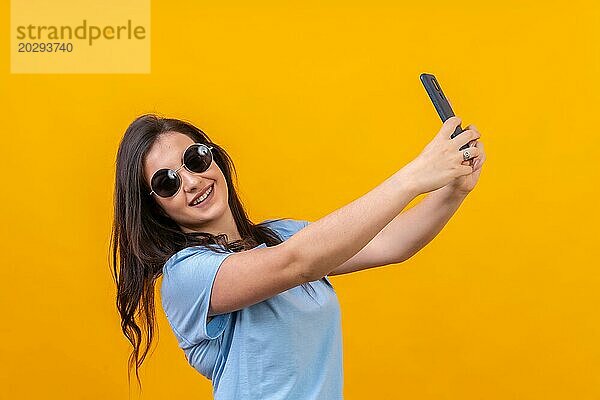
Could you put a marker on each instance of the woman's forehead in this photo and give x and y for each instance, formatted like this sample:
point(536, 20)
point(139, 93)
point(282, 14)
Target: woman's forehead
point(166, 151)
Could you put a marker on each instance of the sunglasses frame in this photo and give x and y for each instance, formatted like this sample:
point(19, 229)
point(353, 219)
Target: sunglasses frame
point(212, 159)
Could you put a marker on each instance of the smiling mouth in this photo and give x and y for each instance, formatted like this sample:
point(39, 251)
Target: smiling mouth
point(205, 196)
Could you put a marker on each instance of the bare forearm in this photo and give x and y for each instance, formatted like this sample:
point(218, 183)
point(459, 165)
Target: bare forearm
point(414, 228)
point(333, 239)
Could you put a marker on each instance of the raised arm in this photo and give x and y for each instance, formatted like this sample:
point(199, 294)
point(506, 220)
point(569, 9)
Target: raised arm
point(249, 277)
point(330, 241)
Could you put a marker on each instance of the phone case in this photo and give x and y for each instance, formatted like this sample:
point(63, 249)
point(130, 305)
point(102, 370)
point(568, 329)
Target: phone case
point(440, 102)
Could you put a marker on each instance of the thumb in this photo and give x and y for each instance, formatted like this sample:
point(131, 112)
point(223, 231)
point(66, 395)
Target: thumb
point(449, 126)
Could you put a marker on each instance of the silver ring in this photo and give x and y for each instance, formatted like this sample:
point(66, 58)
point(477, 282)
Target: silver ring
point(466, 154)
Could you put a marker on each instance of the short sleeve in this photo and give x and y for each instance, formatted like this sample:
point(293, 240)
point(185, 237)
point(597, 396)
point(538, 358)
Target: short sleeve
point(288, 227)
point(188, 278)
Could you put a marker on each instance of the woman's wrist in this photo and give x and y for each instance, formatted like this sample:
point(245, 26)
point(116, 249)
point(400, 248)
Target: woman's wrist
point(406, 184)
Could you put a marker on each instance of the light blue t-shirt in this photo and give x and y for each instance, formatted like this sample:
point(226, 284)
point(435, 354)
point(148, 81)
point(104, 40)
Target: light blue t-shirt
point(286, 347)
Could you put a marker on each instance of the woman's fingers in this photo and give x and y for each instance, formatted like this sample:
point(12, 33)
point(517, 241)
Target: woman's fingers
point(476, 161)
point(473, 128)
point(480, 158)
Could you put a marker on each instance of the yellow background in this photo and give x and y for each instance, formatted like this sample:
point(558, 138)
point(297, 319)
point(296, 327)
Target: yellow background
point(503, 304)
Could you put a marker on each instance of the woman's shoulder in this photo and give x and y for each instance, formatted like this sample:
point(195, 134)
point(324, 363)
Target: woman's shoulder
point(285, 226)
point(192, 255)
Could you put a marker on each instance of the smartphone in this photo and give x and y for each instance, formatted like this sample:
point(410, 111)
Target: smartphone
point(440, 102)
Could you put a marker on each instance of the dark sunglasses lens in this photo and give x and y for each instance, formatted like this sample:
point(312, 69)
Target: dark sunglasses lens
point(165, 183)
point(198, 158)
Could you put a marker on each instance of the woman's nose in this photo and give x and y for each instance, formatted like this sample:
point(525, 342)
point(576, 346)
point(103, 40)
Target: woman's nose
point(189, 181)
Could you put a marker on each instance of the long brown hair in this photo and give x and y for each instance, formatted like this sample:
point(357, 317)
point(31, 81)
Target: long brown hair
point(144, 237)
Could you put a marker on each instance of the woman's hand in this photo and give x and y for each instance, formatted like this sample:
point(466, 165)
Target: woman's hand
point(440, 162)
point(464, 184)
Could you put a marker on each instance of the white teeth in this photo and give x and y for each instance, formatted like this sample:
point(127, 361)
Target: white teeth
point(204, 196)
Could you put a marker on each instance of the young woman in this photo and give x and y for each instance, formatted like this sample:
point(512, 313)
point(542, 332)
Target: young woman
point(250, 304)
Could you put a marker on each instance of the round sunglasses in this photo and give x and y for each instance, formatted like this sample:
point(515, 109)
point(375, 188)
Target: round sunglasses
point(166, 182)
